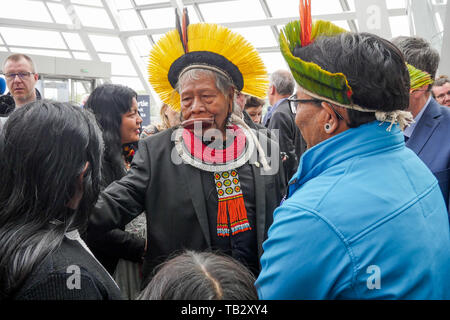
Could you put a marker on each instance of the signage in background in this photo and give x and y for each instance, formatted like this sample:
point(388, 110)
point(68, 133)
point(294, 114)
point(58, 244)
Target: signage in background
point(144, 108)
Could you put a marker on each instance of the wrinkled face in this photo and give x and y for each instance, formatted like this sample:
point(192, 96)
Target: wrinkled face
point(131, 123)
point(201, 99)
point(22, 89)
point(309, 120)
point(255, 113)
point(442, 94)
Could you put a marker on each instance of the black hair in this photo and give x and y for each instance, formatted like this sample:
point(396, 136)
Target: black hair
point(45, 146)
point(374, 67)
point(201, 276)
point(254, 102)
point(109, 102)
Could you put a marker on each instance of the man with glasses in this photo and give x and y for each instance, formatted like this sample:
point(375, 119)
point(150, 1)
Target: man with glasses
point(428, 136)
point(281, 119)
point(21, 78)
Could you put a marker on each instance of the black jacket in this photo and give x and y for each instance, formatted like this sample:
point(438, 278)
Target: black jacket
point(290, 139)
point(56, 278)
point(172, 196)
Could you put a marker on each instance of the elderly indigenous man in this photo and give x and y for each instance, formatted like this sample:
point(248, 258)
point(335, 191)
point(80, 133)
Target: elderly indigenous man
point(209, 183)
point(364, 217)
point(429, 135)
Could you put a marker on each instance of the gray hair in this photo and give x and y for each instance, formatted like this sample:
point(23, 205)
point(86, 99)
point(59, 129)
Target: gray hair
point(283, 81)
point(419, 53)
point(18, 56)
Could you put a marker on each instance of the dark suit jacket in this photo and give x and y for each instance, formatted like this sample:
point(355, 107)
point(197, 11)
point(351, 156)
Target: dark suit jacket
point(171, 194)
point(430, 140)
point(290, 139)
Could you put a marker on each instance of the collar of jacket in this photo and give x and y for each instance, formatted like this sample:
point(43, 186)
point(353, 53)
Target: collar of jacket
point(356, 142)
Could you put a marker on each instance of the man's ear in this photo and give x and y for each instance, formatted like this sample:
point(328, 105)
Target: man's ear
point(272, 90)
point(331, 121)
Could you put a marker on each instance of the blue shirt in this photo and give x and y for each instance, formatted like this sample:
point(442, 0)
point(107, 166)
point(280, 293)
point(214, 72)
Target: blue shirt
point(364, 219)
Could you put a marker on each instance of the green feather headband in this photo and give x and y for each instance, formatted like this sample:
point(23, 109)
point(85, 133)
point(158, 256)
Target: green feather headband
point(309, 75)
point(319, 83)
point(418, 78)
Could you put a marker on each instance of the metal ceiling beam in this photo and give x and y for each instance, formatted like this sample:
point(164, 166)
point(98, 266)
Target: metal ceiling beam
point(268, 14)
point(112, 14)
point(351, 23)
point(185, 3)
point(351, 15)
point(50, 26)
point(421, 14)
point(76, 23)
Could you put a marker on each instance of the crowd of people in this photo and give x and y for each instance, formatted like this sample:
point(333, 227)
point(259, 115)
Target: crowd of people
point(340, 191)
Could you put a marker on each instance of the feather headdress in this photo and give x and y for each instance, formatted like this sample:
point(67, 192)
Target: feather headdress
point(320, 83)
point(209, 46)
point(418, 78)
point(309, 75)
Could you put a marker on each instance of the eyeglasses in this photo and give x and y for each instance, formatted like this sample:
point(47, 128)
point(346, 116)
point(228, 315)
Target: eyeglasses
point(22, 75)
point(293, 103)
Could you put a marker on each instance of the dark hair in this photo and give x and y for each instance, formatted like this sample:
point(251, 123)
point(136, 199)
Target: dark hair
point(44, 148)
point(254, 102)
point(419, 53)
point(374, 67)
point(201, 276)
point(109, 102)
point(443, 79)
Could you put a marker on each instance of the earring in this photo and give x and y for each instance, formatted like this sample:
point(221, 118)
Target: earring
point(327, 127)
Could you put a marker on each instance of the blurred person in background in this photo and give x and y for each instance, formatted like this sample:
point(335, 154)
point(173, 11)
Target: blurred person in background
point(169, 118)
point(441, 90)
point(254, 108)
point(428, 136)
point(116, 110)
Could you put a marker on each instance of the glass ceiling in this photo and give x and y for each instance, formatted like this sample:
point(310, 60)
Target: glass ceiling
point(122, 31)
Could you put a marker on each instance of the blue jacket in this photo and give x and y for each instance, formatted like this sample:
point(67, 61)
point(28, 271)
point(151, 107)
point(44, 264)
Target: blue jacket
point(364, 219)
point(430, 140)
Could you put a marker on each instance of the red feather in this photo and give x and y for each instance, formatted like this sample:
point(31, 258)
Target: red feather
point(305, 22)
point(184, 25)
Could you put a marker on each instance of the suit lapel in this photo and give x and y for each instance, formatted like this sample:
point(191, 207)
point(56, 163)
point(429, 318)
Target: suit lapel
point(260, 198)
point(193, 185)
point(425, 127)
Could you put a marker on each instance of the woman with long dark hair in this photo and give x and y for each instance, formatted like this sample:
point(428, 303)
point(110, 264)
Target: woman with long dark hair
point(50, 160)
point(116, 109)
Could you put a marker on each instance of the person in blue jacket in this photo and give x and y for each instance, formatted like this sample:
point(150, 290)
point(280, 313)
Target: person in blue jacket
point(364, 217)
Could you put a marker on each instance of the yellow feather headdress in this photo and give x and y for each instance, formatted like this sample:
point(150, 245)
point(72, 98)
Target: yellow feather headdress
point(210, 46)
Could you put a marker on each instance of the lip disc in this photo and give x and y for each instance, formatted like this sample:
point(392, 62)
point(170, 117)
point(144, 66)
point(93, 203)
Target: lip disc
point(204, 122)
